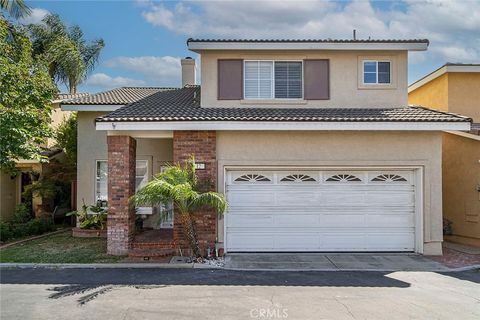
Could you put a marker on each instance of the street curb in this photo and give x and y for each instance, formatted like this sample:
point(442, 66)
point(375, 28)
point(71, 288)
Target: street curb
point(474, 267)
point(96, 266)
point(202, 266)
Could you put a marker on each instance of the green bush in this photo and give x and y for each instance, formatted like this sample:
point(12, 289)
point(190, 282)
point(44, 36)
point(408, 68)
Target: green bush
point(5, 231)
point(22, 213)
point(33, 227)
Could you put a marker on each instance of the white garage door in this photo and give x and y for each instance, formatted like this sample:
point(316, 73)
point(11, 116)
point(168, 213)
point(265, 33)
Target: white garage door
point(320, 210)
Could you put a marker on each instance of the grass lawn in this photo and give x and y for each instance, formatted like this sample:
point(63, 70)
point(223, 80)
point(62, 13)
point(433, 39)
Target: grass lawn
point(59, 248)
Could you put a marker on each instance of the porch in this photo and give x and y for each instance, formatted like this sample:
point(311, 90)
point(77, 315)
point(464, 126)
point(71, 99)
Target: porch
point(134, 158)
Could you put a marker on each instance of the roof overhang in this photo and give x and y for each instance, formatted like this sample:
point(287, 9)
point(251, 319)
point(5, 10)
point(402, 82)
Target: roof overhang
point(90, 107)
point(215, 45)
point(283, 125)
point(441, 71)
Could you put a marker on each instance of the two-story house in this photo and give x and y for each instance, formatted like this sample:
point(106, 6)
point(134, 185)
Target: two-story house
point(312, 142)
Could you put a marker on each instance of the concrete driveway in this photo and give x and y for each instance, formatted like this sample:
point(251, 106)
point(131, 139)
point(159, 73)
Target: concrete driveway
point(331, 262)
point(223, 294)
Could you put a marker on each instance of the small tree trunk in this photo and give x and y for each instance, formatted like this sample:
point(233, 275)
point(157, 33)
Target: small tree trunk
point(190, 233)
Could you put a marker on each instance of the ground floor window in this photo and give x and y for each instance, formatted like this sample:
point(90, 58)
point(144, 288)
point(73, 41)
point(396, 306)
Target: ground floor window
point(101, 183)
point(101, 180)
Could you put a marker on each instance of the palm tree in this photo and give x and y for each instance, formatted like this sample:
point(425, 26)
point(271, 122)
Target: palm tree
point(179, 184)
point(69, 57)
point(16, 8)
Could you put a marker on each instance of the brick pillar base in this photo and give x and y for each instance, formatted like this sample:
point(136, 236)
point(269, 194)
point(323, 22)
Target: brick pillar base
point(121, 186)
point(202, 144)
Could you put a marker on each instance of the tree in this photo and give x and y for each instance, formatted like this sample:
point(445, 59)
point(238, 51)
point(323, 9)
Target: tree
point(70, 58)
point(26, 91)
point(179, 184)
point(66, 137)
point(15, 8)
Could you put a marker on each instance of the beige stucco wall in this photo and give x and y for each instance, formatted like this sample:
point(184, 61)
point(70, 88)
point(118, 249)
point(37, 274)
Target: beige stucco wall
point(57, 117)
point(433, 94)
point(345, 78)
point(8, 196)
point(92, 146)
point(453, 92)
point(464, 94)
point(422, 149)
point(461, 174)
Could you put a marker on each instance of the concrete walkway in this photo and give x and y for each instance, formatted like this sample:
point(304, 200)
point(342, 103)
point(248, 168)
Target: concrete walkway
point(331, 262)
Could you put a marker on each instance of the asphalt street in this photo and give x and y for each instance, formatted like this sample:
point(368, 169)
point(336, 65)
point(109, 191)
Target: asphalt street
point(220, 294)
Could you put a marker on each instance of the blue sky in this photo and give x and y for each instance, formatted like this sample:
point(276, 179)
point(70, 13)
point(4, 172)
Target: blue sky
point(145, 39)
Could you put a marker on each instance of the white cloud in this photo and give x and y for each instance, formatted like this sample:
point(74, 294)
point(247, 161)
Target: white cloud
point(105, 81)
point(451, 26)
point(35, 17)
point(162, 70)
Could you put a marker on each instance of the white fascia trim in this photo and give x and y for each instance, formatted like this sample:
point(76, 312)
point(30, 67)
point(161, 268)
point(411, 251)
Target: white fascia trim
point(441, 71)
point(410, 46)
point(90, 107)
point(282, 126)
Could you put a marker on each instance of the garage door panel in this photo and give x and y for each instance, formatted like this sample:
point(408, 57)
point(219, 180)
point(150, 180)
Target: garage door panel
point(342, 241)
point(335, 220)
point(346, 198)
point(390, 198)
point(295, 198)
point(391, 241)
point(406, 220)
point(375, 211)
point(251, 199)
point(250, 220)
point(297, 241)
point(297, 220)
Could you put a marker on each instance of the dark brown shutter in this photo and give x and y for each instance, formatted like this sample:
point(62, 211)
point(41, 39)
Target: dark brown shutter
point(317, 80)
point(230, 79)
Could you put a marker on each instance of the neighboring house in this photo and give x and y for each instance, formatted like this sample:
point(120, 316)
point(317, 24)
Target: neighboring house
point(12, 187)
point(456, 88)
point(312, 141)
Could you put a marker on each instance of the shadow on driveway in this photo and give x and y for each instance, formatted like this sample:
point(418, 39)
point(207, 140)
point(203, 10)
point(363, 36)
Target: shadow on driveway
point(198, 277)
point(472, 276)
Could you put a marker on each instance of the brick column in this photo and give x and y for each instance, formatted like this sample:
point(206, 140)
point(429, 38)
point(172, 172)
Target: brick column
point(121, 186)
point(202, 144)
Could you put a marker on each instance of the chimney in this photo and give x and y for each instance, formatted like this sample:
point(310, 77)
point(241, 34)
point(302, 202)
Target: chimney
point(188, 71)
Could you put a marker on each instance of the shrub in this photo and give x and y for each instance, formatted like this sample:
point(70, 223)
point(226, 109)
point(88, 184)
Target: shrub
point(5, 231)
point(22, 213)
point(33, 227)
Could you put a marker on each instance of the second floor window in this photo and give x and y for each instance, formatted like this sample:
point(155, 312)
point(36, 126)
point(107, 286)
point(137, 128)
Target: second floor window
point(376, 72)
point(273, 79)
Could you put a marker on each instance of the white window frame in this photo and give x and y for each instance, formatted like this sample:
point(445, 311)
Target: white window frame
point(96, 182)
point(142, 209)
point(376, 83)
point(272, 93)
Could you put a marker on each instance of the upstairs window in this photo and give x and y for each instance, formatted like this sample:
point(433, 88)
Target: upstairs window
point(273, 79)
point(376, 72)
